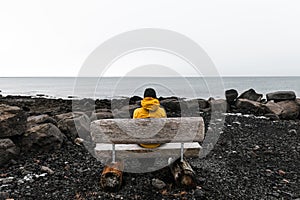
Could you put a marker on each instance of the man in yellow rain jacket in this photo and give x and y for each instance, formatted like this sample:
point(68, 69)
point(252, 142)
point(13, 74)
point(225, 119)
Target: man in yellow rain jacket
point(150, 109)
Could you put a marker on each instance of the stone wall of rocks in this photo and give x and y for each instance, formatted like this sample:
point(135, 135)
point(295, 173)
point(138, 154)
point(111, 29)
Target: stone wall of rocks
point(277, 105)
point(39, 124)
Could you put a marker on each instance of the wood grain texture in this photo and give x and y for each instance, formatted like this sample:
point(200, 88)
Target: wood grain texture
point(147, 131)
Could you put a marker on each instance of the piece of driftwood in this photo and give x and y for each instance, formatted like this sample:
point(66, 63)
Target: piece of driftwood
point(112, 177)
point(183, 174)
point(147, 131)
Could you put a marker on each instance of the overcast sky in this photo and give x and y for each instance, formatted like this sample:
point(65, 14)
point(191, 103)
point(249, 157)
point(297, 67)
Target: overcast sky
point(243, 38)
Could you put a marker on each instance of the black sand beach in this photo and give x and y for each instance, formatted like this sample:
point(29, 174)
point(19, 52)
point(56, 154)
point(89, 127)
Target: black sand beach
point(255, 158)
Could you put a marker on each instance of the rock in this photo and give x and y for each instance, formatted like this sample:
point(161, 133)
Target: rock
point(158, 184)
point(203, 104)
point(199, 194)
point(285, 181)
point(84, 105)
point(201, 180)
point(281, 172)
point(283, 109)
point(218, 105)
point(246, 106)
point(290, 109)
point(134, 100)
point(251, 95)
point(101, 114)
point(193, 107)
point(74, 124)
point(12, 121)
point(231, 96)
point(118, 104)
point(72, 97)
point(47, 169)
point(40, 119)
point(125, 111)
point(281, 96)
point(8, 151)
point(272, 116)
point(197, 104)
point(6, 180)
point(102, 103)
point(293, 131)
point(4, 195)
point(274, 108)
point(298, 101)
point(276, 194)
point(42, 137)
point(78, 141)
point(256, 147)
point(168, 98)
point(171, 105)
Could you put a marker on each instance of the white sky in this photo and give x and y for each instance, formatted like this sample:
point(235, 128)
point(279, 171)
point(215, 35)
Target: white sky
point(54, 37)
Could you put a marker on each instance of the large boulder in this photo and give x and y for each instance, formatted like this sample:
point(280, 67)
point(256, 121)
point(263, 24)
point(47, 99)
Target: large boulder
point(102, 103)
point(195, 104)
point(284, 109)
point(274, 108)
point(8, 151)
point(218, 105)
point(12, 121)
point(172, 106)
point(125, 111)
point(101, 114)
point(281, 96)
point(231, 96)
point(203, 104)
point(73, 123)
point(135, 100)
point(84, 105)
point(43, 137)
point(290, 109)
point(251, 95)
point(192, 107)
point(119, 103)
point(40, 119)
point(247, 106)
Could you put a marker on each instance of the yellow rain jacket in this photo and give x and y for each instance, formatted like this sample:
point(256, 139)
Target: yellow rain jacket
point(150, 109)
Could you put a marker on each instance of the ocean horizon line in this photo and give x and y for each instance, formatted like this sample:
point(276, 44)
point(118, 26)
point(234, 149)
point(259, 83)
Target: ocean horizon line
point(242, 76)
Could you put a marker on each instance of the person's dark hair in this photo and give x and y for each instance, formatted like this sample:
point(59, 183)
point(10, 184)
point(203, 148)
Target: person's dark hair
point(150, 92)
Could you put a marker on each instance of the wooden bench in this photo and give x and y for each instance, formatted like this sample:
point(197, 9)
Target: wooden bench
point(119, 138)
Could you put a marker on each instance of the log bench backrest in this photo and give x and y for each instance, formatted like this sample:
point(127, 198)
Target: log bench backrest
point(147, 131)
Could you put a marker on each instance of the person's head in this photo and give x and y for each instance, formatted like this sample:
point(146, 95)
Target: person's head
point(150, 92)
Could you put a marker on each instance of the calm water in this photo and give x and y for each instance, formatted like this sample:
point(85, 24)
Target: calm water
point(191, 87)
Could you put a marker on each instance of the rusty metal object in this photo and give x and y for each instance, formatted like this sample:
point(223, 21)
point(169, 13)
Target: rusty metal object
point(183, 174)
point(112, 177)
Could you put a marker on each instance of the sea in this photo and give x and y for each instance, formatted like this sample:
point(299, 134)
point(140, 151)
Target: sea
point(119, 87)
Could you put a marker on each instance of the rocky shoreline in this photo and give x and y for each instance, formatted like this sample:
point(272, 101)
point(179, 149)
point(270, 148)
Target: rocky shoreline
point(255, 157)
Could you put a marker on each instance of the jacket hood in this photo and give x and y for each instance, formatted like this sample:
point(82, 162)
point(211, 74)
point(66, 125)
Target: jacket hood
point(150, 103)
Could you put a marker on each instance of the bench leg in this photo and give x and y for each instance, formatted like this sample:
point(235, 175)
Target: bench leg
point(112, 176)
point(183, 174)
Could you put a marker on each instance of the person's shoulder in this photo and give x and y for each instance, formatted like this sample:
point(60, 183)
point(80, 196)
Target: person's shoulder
point(162, 111)
point(140, 108)
point(161, 108)
point(137, 110)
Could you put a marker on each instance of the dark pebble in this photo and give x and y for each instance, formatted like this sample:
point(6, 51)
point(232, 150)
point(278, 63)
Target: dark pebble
point(4, 195)
point(199, 194)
